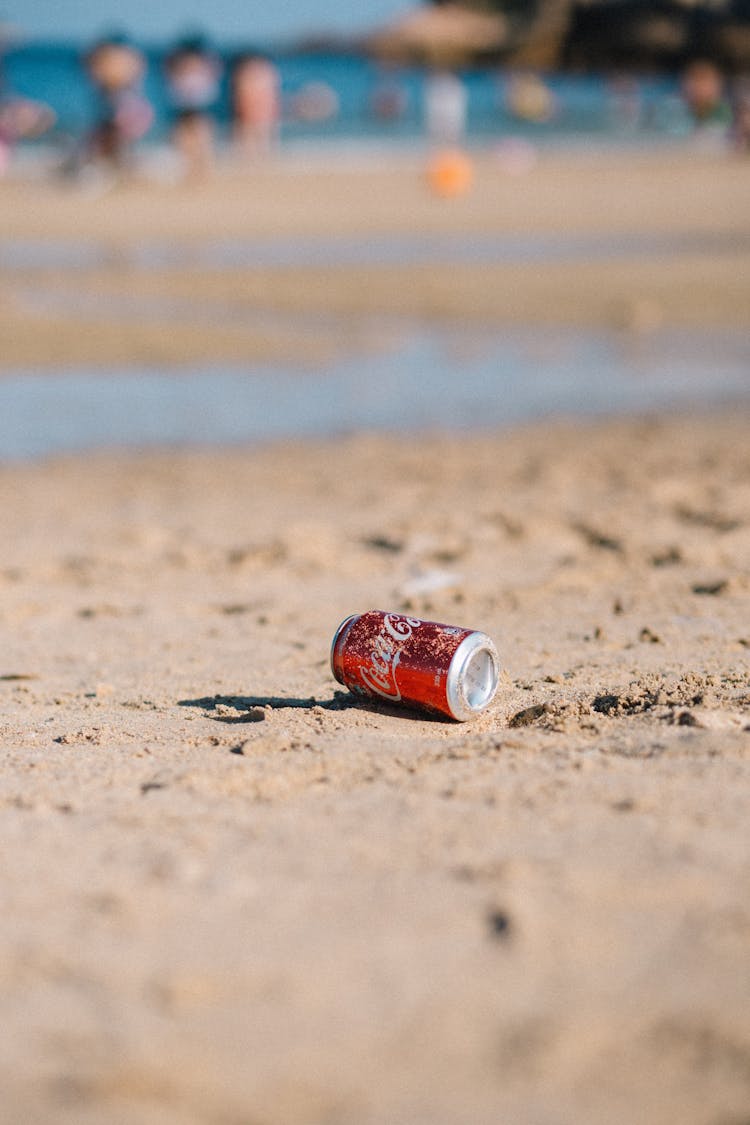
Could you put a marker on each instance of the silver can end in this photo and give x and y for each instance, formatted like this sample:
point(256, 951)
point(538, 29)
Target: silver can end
point(473, 677)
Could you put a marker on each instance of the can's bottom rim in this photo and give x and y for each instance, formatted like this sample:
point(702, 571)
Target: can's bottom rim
point(338, 636)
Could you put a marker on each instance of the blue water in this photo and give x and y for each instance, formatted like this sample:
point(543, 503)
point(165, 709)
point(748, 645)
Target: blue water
point(371, 250)
point(585, 104)
point(429, 378)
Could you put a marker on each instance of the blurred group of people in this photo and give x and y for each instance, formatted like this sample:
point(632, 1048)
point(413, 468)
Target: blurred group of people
point(193, 75)
point(197, 80)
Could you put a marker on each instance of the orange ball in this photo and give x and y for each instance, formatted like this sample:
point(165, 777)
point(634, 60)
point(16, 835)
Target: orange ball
point(450, 173)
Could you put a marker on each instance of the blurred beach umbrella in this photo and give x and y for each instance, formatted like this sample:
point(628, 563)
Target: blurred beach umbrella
point(442, 36)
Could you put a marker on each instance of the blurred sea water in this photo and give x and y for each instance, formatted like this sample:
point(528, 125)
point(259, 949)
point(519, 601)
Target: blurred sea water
point(429, 378)
point(585, 105)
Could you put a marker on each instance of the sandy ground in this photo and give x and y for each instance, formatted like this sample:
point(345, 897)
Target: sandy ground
point(232, 895)
point(119, 311)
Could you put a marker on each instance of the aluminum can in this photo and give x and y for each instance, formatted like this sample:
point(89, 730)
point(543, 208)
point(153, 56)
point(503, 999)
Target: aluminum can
point(422, 664)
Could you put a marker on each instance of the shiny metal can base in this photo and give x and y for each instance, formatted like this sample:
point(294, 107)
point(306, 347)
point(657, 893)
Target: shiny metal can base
point(420, 664)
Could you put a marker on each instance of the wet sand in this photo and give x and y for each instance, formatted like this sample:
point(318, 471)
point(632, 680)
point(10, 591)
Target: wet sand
point(232, 895)
point(117, 310)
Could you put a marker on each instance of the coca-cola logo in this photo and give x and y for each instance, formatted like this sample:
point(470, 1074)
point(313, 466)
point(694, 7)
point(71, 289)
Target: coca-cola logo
point(379, 675)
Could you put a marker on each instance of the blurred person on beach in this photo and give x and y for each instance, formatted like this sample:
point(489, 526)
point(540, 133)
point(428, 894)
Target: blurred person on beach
point(625, 109)
point(528, 98)
point(446, 103)
point(740, 129)
point(256, 104)
point(115, 68)
point(703, 93)
point(449, 171)
point(193, 77)
point(389, 99)
point(314, 103)
point(20, 118)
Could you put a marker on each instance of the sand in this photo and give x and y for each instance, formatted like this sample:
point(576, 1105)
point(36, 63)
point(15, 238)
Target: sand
point(681, 256)
point(233, 895)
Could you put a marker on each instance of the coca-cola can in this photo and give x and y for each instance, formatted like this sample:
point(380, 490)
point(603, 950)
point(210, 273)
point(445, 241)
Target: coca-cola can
point(421, 664)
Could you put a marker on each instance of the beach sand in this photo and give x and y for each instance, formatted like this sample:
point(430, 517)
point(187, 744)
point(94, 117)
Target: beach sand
point(121, 310)
point(233, 895)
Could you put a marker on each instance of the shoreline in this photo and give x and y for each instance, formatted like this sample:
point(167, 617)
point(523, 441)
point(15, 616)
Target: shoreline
point(697, 202)
point(478, 381)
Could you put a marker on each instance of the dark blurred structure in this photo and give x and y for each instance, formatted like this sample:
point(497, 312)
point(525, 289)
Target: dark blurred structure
point(656, 35)
point(586, 35)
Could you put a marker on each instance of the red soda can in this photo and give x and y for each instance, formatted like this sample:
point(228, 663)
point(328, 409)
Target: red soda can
point(422, 664)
